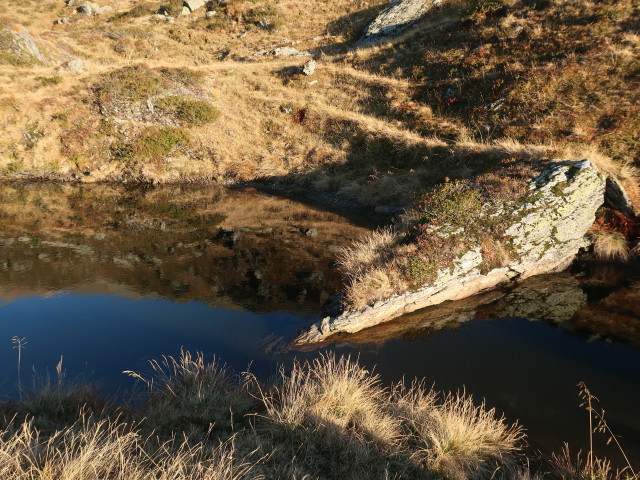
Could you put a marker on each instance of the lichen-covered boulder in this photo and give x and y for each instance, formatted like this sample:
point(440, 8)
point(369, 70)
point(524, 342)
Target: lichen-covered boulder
point(20, 47)
point(23, 48)
point(193, 5)
point(398, 16)
point(547, 229)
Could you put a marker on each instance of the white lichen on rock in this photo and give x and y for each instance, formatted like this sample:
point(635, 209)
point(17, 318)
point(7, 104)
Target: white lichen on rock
point(398, 16)
point(548, 229)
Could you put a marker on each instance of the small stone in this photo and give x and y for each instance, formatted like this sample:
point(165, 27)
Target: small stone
point(312, 232)
point(84, 10)
point(309, 67)
point(193, 5)
point(211, 14)
point(62, 20)
point(74, 66)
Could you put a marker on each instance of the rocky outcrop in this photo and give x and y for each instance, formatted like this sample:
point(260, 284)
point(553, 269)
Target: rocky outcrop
point(23, 48)
point(617, 197)
point(547, 230)
point(193, 5)
point(398, 16)
point(19, 46)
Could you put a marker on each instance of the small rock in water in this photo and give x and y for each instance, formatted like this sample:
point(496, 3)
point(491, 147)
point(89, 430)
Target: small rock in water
point(309, 67)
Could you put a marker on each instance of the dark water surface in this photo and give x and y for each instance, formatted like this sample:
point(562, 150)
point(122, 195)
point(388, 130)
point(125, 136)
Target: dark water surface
point(110, 277)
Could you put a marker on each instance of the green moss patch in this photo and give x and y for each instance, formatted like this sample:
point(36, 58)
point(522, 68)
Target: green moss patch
point(195, 112)
point(152, 143)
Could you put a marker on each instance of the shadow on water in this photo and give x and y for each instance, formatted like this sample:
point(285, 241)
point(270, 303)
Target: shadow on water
point(108, 277)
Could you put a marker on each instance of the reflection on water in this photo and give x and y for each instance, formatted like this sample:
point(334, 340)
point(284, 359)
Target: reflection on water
point(230, 249)
point(603, 304)
point(108, 277)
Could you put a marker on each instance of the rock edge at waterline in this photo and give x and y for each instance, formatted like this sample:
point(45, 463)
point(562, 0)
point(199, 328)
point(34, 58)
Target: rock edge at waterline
point(549, 231)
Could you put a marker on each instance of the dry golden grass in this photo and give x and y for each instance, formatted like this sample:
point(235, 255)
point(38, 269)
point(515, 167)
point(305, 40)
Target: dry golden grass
point(334, 392)
point(463, 440)
point(610, 246)
point(365, 265)
point(113, 450)
point(328, 418)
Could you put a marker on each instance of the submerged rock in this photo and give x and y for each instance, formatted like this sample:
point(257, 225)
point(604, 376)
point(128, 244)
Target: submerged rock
point(548, 229)
point(398, 16)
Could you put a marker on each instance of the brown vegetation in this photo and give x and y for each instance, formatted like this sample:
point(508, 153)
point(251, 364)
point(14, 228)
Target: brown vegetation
point(330, 418)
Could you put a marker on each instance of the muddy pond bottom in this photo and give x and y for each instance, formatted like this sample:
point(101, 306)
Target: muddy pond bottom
point(107, 278)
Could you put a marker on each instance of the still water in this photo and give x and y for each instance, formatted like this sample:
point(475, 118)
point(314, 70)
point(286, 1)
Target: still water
point(109, 277)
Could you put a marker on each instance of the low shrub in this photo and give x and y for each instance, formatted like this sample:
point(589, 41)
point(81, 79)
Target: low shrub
point(264, 16)
point(195, 112)
point(153, 142)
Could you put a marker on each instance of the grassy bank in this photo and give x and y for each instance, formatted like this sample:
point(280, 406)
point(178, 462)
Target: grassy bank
point(474, 83)
point(330, 418)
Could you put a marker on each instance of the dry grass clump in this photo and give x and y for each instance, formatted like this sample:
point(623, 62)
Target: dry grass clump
point(365, 264)
point(188, 391)
point(334, 392)
point(567, 467)
point(112, 450)
point(326, 418)
point(463, 440)
point(610, 246)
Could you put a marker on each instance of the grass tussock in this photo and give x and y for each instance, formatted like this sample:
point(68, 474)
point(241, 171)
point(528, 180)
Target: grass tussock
point(610, 246)
point(327, 418)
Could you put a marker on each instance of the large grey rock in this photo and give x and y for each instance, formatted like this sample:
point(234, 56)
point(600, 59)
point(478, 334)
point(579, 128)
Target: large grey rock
point(398, 16)
point(617, 197)
point(20, 46)
point(88, 8)
point(548, 231)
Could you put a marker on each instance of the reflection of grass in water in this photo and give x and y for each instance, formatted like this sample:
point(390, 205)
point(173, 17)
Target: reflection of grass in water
point(174, 210)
